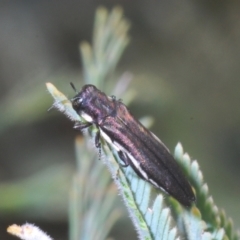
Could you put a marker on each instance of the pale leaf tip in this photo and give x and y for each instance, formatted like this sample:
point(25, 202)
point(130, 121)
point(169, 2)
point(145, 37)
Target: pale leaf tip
point(48, 84)
point(178, 150)
point(14, 229)
point(28, 232)
point(50, 87)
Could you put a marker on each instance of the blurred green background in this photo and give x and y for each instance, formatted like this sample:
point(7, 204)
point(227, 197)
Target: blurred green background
point(184, 57)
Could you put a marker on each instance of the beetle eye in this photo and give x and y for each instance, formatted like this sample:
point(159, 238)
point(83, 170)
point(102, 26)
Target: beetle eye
point(76, 103)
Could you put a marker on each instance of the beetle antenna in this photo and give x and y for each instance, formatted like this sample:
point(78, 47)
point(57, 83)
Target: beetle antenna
point(73, 87)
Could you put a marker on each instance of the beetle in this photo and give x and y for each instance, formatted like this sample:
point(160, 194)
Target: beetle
point(136, 146)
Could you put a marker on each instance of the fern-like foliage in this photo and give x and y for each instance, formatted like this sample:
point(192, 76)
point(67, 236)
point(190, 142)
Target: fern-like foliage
point(215, 221)
point(109, 40)
point(92, 210)
point(151, 217)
